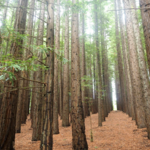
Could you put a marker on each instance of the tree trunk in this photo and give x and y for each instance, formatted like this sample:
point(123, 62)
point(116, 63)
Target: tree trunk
point(57, 47)
point(37, 115)
point(142, 65)
point(61, 80)
point(120, 65)
point(33, 77)
point(100, 107)
point(47, 134)
point(19, 107)
point(126, 67)
point(9, 103)
point(65, 120)
point(135, 71)
point(95, 107)
point(107, 80)
point(117, 87)
point(83, 69)
point(146, 26)
point(78, 126)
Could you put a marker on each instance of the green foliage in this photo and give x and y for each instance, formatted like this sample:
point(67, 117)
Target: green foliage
point(86, 81)
point(9, 64)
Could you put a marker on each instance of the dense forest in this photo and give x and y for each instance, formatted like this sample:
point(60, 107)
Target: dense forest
point(70, 59)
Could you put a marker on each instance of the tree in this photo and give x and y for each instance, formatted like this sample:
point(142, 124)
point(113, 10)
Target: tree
point(135, 71)
point(100, 107)
point(142, 66)
point(9, 103)
point(47, 131)
point(117, 87)
point(120, 66)
point(78, 127)
point(20, 101)
point(145, 13)
point(127, 67)
point(57, 47)
point(85, 99)
point(37, 114)
point(65, 115)
point(128, 88)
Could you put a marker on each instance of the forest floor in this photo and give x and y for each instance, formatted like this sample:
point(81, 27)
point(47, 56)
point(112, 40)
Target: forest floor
point(118, 132)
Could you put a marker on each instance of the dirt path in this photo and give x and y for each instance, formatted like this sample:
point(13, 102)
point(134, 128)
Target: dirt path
point(119, 132)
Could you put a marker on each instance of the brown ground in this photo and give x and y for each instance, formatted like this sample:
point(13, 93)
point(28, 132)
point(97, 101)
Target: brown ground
point(119, 132)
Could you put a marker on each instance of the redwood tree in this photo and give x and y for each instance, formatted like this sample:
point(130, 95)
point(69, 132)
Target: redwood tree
point(78, 126)
point(65, 116)
point(10, 99)
point(57, 47)
point(47, 131)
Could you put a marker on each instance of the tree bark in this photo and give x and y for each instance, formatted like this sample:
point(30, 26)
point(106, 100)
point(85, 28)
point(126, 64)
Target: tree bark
point(37, 114)
point(145, 13)
point(117, 87)
point(65, 120)
point(120, 65)
point(127, 80)
point(9, 103)
point(78, 126)
point(57, 47)
point(61, 78)
point(135, 71)
point(47, 134)
point(142, 65)
point(85, 99)
point(100, 107)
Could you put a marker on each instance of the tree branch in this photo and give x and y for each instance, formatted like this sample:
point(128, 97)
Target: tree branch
point(19, 88)
point(129, 9)
point(33, 80)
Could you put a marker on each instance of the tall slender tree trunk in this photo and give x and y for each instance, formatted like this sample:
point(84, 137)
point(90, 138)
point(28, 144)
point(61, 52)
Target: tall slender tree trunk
point(47, 134)
point(128, 89)
point(91, 103)
point(37, 115)
point(107, 80)
point(135, 71)
point(19, 107)
point(103, 62)
point(128, 76)
point(120, 64)
point(83, 69)
point(57, 47)
point(11, 23)
point(61, 87)
point(117, 87)
point(65, 121)
point(61, 78)
point(95, 107)
point(142, 65)
point(100, 107)
point(129, 79)
point(4, 23)
point(9, 103)
point(30, 32)
point(1, 49)
point(32, 76)
point(78, 126)
point(22, 99)
point(145, 12)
